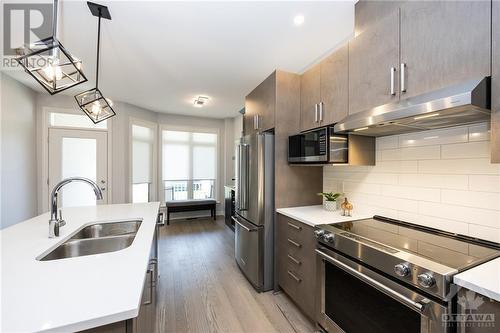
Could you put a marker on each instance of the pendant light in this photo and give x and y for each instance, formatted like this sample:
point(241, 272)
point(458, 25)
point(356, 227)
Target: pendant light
point(49, 63)
point(92, 102)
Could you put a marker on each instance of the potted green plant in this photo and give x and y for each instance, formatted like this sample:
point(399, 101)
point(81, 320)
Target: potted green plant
point(330, 202)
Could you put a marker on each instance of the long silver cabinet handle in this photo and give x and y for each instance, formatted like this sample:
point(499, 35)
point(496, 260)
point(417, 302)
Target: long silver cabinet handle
point(403, 77)
point(294, 226)
point(295, 277)
point(393, 77)
point(296, 261)
point(320, 111)
point(316, 113)
point(377, 285)
point(294, 243)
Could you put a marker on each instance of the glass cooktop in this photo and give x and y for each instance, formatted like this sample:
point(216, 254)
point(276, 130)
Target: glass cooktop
point(455, 251)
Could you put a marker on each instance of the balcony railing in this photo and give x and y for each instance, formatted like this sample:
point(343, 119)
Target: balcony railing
point(184, 189)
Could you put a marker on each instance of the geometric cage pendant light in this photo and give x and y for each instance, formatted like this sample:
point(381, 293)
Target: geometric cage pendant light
point(49, 63)
point(92, 102)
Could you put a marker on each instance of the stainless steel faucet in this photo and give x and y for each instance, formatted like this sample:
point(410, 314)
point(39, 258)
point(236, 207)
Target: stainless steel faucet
point(56, 222)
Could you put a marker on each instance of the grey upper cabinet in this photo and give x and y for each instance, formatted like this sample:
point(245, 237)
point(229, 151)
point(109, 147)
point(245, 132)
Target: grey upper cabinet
point(373, 59)
point(495, 85)
point(334, 86)
point(324, 91)
point(309, 98)
point(260, 106)
point(443, 43)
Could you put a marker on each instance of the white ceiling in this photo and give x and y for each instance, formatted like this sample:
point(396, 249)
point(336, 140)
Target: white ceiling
point(160, 55)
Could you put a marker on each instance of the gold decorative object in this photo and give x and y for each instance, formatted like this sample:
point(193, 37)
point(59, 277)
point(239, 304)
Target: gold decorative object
point(346, 207)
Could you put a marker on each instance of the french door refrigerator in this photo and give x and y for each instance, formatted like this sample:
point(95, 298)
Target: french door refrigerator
point(254, 218)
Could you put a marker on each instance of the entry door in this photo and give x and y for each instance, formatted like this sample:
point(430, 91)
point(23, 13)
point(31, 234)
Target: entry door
point(78, 153)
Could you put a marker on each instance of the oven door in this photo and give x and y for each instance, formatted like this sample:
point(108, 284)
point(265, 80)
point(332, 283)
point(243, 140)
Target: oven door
point(351, 298)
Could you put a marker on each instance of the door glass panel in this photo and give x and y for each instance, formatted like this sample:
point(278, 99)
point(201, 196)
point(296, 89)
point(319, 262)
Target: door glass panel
point(79, 159)
point(74, 120)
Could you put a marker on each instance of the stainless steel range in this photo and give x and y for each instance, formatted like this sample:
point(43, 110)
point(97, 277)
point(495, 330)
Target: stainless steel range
point(384, 275)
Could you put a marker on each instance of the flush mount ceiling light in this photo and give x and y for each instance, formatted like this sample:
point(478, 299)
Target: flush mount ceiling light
point(298, 19)
point(49, 63)
point(92, 102)
point(200, 101)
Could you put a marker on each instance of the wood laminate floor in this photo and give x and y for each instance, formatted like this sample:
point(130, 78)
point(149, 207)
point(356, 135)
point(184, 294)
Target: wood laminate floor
point(201, 288)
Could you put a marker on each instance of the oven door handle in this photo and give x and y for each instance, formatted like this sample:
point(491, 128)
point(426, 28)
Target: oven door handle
point(381, 287)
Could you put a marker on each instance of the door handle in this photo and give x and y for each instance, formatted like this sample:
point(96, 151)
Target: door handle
point(243, 226)
point(320, 111)
point(315, 113)
point(294, 260)
point(403, 85)
point(296, 227)
point(393, 74)
point(294, 243)
point(295, 277)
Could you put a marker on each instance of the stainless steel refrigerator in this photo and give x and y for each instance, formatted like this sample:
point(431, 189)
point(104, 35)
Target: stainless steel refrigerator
point(254, 218)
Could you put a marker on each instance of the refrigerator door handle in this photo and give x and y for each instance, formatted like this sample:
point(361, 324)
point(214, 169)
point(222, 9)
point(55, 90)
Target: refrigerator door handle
point(243, 179)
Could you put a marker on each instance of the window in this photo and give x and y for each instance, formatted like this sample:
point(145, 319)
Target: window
point(142, 162)
point(189, 165)
point(60, 119)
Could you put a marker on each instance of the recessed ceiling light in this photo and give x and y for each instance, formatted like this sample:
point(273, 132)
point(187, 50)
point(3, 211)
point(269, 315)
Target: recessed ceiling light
point(298, 20)
point(200, 101)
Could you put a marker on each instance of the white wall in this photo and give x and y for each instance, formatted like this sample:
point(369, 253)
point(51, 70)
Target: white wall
point(441, 179)
point(18, 163)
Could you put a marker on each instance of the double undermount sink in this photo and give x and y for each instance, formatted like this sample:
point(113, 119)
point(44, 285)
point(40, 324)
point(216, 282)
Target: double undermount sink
point(96, 238)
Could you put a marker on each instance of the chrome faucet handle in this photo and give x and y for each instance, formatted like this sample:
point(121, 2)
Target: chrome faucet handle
point(60, 220)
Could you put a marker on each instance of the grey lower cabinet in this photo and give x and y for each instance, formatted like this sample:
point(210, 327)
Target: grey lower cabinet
point(495, 85)
point(296, 262)
point(146, 321)
point(443, 43)
point(480, 313)
point(373, 63)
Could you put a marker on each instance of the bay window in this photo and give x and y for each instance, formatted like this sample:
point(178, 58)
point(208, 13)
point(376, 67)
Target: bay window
point(189, 160)
point(143, 151)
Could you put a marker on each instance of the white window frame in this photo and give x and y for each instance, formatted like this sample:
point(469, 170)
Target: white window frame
point(43, 161)
point(212, 130)
point(154, 181)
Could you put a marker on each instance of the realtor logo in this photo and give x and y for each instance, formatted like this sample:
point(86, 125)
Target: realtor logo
point(25, 23)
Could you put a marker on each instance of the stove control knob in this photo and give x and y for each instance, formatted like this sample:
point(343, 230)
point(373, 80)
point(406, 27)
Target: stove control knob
point(318, 233)
point(329, 237)
point(426, 280)
point(402, 269)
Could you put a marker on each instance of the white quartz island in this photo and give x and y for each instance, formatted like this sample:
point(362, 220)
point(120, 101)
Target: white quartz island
point(75, 293)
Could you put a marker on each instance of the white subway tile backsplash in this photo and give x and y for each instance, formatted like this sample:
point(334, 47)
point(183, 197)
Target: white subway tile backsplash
point(478, 149)
point(387, 142)
point(479, 132)
point(486, 200)
point(440, 178)
point(456, 182)
point(434, 137)
point(479, 231)
point(411, 192)
point(486, 217)
point(476, 166)
point(484, 183)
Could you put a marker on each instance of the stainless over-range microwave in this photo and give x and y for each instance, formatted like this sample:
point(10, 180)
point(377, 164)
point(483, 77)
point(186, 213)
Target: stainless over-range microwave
point(321, 145)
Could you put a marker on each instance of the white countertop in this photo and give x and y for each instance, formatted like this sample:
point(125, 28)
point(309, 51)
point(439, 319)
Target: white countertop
point(483, 279)
point(315, 215)
point(75, 293)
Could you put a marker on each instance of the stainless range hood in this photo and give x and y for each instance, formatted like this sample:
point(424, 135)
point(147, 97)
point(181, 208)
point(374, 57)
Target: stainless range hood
point(461, 104)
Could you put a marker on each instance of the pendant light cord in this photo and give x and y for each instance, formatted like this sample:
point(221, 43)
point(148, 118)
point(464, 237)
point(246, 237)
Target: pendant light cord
point(98, 49)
